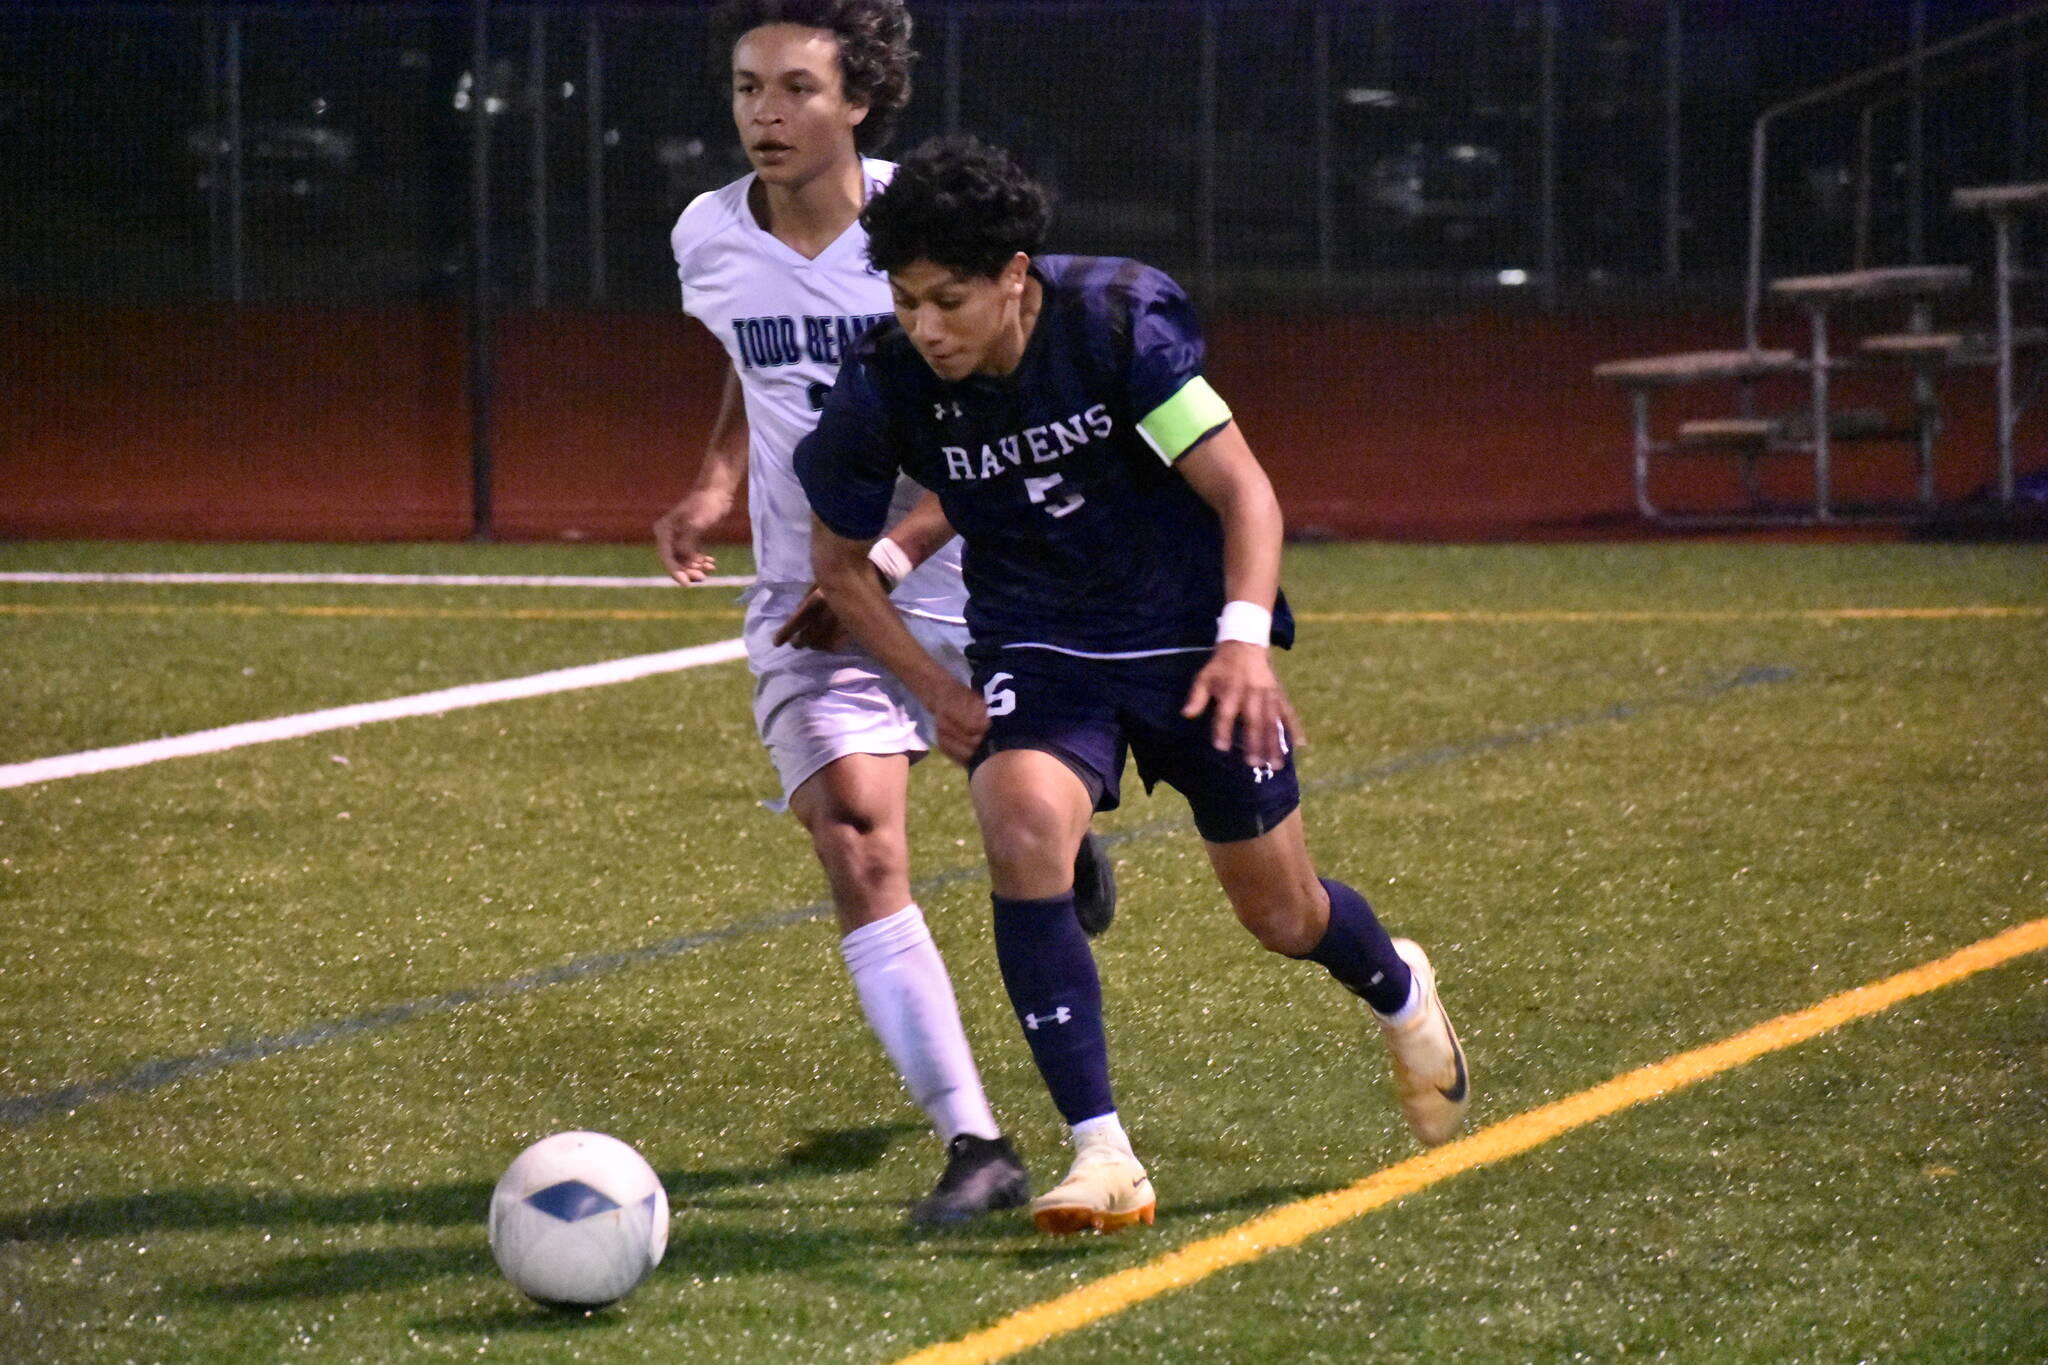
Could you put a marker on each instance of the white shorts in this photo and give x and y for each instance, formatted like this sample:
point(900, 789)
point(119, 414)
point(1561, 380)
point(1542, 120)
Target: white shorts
point(812, 707)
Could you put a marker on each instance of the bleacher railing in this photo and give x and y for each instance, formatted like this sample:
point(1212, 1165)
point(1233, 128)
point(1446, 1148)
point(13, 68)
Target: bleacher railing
point(1912, 69)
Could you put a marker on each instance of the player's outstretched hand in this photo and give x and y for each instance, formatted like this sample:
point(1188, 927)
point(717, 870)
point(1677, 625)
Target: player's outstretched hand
point(962, 719)
point(679, 536)
point(1244, 698)
point(814, 625)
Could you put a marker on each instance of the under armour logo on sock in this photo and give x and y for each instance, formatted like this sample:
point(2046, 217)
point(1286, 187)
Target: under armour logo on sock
point(1058, 1016)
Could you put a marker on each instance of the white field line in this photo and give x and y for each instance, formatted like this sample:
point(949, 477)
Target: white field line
point(366, 713)
point(379, 580)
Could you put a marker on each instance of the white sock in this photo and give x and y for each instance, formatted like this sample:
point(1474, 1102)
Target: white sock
point(909, 1002)
point(1410, 1007)
point(1105, 1128)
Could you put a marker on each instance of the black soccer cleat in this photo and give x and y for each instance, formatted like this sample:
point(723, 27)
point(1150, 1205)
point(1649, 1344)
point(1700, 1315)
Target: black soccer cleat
point(1094, 886)
point(982, 1174)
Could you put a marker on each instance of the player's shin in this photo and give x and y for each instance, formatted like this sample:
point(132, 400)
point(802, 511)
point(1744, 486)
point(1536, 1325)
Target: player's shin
point(909, 1002)
point(1357, 950)
point(1394, 977)
point(1050, 974)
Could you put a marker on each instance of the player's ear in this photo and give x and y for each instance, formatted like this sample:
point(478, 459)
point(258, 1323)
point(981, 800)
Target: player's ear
point(1014, 273)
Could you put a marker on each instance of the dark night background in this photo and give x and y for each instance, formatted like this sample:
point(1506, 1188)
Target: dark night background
point(115, 184)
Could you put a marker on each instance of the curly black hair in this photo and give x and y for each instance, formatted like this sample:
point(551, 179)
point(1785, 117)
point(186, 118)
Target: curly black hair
point(957, 202)
point(874, 50)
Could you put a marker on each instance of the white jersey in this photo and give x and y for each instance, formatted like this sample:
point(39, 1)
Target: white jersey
point(785, 321)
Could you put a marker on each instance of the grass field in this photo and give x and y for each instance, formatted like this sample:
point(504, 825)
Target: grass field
point(275, 1018)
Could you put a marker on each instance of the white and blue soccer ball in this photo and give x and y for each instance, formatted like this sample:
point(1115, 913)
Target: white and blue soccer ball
point(578, 1220)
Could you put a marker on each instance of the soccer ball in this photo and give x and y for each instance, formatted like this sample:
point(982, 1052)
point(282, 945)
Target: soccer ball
point(578, 1219)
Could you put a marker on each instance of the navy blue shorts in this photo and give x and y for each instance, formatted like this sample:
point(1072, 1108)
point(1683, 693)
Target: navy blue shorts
point(1089, 713)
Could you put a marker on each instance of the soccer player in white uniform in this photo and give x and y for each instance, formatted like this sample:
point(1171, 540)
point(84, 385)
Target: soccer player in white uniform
point(775, 264)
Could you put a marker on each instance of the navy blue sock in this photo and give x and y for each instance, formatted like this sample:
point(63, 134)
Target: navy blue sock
point(1049, 971)
point(1358, 952)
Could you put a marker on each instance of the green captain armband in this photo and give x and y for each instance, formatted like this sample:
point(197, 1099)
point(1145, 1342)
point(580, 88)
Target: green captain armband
point(1175, 425)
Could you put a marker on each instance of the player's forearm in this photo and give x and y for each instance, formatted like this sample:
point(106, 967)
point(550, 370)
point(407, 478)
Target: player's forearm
point(720, 472)
point(679, 532)
point(725, 450)
point(847, 579)
point(923, 531)
point(1252, 534)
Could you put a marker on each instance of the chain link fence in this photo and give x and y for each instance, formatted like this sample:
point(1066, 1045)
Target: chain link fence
point(1294, 153)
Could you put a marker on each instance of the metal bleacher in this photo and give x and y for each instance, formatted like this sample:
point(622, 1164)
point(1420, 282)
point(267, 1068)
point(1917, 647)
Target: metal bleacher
point(1907, 320)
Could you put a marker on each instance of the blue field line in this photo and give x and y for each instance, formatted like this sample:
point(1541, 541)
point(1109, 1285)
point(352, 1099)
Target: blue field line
point(23, 1109)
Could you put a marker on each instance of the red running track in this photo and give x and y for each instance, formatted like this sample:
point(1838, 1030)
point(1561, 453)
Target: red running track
point(352, 424)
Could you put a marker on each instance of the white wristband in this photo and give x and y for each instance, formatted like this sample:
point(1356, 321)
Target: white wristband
point(888, 557)
point(1245, 621)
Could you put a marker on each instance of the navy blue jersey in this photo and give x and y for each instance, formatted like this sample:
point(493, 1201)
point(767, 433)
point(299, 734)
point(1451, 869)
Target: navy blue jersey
point(1080, 534)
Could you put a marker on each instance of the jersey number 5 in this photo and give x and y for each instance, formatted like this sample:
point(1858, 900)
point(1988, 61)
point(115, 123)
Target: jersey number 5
point(1041, 492)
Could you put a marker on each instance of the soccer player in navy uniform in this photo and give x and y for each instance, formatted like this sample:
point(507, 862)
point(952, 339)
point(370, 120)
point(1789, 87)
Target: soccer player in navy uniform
point(1122, 563)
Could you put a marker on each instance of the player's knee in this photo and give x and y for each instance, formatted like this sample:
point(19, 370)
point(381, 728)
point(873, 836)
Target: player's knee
point(853, 846)
point(1026, 834)
point(836, 822)
point(1020, 848)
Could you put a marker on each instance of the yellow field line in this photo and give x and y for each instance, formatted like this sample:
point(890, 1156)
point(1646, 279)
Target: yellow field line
point(1371, 618)
point(371, 613)
point(1294, 1223)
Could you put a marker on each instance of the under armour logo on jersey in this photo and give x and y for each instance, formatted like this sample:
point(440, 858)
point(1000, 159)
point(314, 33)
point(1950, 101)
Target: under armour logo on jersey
point(939, 411)
point(1059, 1016)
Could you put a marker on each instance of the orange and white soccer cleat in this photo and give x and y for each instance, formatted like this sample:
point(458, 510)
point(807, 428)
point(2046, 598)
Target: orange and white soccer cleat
point(1105, 1189)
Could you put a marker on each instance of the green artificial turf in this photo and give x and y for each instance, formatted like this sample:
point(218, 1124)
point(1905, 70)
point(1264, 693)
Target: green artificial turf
point(1616, 842)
